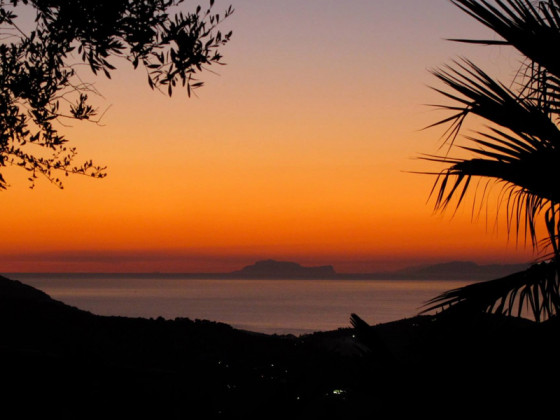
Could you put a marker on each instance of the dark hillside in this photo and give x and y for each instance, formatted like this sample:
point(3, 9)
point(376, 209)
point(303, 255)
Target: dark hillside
point(62, 361)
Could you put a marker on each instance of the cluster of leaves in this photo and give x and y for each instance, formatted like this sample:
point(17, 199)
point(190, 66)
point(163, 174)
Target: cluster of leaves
point(39, 85)
point(519, 150)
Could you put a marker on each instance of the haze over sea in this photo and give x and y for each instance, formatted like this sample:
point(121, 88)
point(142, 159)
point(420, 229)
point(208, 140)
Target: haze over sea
point(268, 306)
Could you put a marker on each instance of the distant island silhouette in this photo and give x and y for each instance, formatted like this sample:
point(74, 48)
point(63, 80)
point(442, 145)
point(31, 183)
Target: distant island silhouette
point(289, 270)
point(458, 270)
point(283, 269)
point(454, 270)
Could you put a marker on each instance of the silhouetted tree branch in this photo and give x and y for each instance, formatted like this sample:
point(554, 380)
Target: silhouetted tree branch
point(39, 84)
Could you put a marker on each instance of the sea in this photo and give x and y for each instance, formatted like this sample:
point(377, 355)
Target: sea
point(267, 306)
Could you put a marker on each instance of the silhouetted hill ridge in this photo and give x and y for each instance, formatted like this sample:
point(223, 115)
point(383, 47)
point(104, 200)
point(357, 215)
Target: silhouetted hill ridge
point(62, 362)
point(13, 289)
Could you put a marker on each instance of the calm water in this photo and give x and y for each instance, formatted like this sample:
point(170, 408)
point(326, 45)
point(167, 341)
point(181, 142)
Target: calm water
point(269, 306)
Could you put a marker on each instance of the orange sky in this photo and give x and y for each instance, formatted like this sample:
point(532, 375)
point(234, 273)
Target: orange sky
point(299, 149)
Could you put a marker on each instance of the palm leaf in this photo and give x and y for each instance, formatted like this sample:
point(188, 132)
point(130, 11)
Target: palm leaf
point(526, 171)
point(519, 151)
point(480, 95)
point(531, 30)
point(535, 290)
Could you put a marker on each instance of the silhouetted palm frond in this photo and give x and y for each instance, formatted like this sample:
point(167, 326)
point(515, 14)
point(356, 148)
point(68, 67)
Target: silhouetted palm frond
point(475, 92)
point(534, 292)
point(532, 27)
point(519, 150)
point(525, 166)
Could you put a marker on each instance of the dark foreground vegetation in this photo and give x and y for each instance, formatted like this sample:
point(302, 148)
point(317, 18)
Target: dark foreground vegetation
point(58, 360)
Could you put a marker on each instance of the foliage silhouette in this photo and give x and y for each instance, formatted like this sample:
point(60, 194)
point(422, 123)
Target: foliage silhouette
point(39, 84)
point(518, 151)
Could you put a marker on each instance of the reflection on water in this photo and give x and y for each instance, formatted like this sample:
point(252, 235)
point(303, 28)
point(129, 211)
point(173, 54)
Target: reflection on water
point(270, 306)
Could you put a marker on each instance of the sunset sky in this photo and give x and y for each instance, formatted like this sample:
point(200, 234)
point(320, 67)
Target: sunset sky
point(300, 149)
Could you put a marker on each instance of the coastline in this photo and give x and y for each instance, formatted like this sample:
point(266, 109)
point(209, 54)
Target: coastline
point(174, 368)
point(270, 306)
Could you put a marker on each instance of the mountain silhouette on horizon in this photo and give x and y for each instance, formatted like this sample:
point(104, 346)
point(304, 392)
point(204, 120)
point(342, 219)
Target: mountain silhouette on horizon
point(453, 270)
point(460, 270)
point(285, 270)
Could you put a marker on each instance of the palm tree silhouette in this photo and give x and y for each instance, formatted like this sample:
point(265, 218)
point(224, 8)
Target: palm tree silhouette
point(519, 150)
